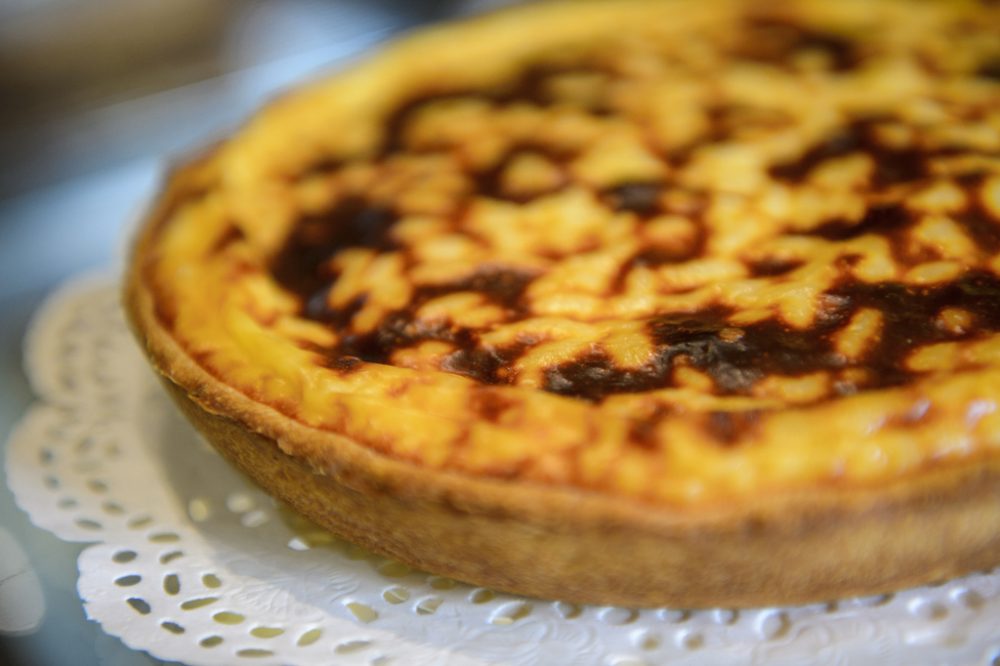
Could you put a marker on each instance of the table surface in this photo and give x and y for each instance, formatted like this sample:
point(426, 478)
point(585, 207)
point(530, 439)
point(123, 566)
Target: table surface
point(79, 223)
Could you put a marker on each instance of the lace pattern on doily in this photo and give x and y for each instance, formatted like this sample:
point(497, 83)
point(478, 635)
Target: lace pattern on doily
point(190, 562)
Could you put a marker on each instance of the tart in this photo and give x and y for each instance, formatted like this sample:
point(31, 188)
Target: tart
point(620, 302)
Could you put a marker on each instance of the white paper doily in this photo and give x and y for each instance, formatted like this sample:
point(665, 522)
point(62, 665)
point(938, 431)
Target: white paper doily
point(192, 563)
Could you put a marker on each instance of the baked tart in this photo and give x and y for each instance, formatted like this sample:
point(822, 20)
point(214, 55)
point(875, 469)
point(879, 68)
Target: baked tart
point(619, 302)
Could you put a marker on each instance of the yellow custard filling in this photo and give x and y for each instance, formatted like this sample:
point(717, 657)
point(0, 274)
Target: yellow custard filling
point(674, 251)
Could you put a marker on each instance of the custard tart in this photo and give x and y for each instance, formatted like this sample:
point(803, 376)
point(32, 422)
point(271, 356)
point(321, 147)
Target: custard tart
point(620, 302)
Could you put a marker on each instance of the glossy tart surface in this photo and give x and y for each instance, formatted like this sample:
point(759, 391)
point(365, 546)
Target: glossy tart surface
point(681, 255)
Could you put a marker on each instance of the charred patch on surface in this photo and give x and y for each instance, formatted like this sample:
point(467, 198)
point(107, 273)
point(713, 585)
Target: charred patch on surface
point(318, 308)
point(500, 286)
point(884, 220)
point(503, 287)
point(736, 363)
point(891, 165)
point(487, 365)
point(301, 265)
point(837, 145)
point(982, 227)
point(343, 364)
point(910, 318)
point(403, 329)
point(652, 257)
point(396, 331)
point(595, 376)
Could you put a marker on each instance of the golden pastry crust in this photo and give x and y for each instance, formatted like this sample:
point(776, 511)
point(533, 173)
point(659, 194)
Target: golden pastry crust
point(614, 302)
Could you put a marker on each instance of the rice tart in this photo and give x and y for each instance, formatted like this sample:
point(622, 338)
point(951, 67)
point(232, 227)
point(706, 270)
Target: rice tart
point(625, 302)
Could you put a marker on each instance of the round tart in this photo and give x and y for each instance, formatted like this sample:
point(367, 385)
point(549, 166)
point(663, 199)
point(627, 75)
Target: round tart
point(617, 302)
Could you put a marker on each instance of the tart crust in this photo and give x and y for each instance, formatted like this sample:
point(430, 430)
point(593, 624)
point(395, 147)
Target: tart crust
point(781, 545)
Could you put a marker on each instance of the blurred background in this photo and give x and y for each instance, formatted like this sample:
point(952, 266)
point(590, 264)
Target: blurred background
point(96, 97)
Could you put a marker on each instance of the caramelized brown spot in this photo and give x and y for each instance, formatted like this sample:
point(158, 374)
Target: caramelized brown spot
point(773, 267)
point(639, 198)
point(534, 85)
point(736, 363)
point(489, 183)
point(594, 376)
point(531, 87)
point(885, 220)
point(401, 329)
point(490, 404)
point(728, 428)
point(300, 265)
point(503, 287)
point(642, 431)
point(910, 317)
point(892, 166)
point(841, 143)
point(977, 221)
point(343, 364)
point(773, 40)
point(652, 257)
point(990, 69)
point(396, 331)
point(233, 234)
point(484, 364)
